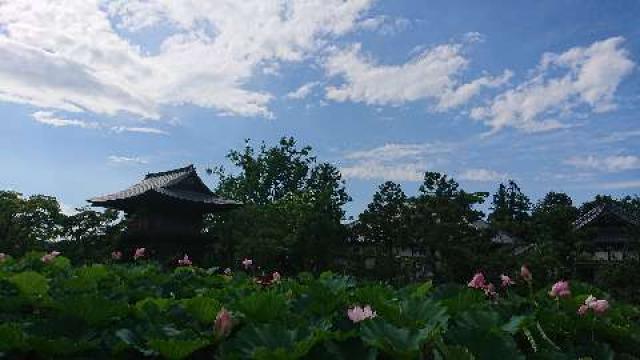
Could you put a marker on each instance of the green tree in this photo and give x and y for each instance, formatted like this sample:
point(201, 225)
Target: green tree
point(384, 221)
point(442, 219)
point(552, 219)
point(26, 223)
point(91, 235)
point(293, 207)
point(510, 210)
point(384, 224)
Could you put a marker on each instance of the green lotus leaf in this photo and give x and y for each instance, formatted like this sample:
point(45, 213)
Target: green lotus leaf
point(483, 334)
point(176, 348)
point(263, 307)
point(11, 337)
point(272, 341)
point(94, 310)
point(31, 283)
point(60, 346)
point(202, 308)
point(400, 343)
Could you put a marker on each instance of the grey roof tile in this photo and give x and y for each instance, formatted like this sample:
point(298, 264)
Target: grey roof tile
point(163, 183)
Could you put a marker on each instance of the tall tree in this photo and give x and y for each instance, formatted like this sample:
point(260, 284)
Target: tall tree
point(552, 219)
point(293, 206)
point(510, 210)
point(384, 220)
point(442, 216)
point(385, 224)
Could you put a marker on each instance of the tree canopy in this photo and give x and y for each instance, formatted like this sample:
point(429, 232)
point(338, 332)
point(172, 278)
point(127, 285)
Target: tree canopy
point(293, 206)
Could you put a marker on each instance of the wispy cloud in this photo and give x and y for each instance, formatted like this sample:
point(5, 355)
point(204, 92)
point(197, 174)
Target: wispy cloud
point(620, 136)
point(303, 91)
point(384, 25)
point(474, 37)
point(590, 77)
point(126, 160)
point(620, 185)
point(396, 162)
point(370, 170)
point(613, 163)
point(482, 175)
point(49, 118)
point(389, 152)
point(142, 130)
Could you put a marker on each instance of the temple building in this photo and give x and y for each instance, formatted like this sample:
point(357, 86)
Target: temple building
point(165, 210)
point(609, 231)
point(609, 234)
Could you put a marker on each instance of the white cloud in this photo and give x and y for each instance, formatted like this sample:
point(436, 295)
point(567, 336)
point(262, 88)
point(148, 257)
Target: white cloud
point(49, 118)
point(631, 184)
point(432, 75)
point(68, 56)
point(581, 76)
point(384, 25)
point(390, 152)
point(126, 160)
point(482, 175)
point(463, 93)
point(614, 163)
point(368, 170)
point(67, 209)
point(620, 136)
point(142, 130)
point(474, 37)
point(303, 91)
point(395, 162)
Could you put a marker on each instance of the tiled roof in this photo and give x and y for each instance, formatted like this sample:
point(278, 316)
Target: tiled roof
point(602, 209)
point(163, 183)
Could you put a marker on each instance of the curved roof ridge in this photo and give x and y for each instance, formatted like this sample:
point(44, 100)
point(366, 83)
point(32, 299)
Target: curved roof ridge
point(615, 209)
point(188, 168)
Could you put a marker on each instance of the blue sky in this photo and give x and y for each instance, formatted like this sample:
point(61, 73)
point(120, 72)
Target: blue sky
point(93, 94)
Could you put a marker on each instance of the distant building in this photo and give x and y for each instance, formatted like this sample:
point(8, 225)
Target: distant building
point(165, 210)
point(608, 232)
point(414, 262)
point(503, 239)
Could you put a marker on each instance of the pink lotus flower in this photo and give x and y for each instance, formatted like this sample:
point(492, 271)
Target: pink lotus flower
point(600, 306)
point(478, 281)
point(525, 273)
point(357, 313)
point(138, 253)
point(185, 261)
point(47, 258)
point(247, 263)
point(490, 290)
point(3, 257)
point(590, 300)
point(560, 289)
point(583, 309)
point(223, 323)
point(275, 276)
point(506, 280)
point(116, 255)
